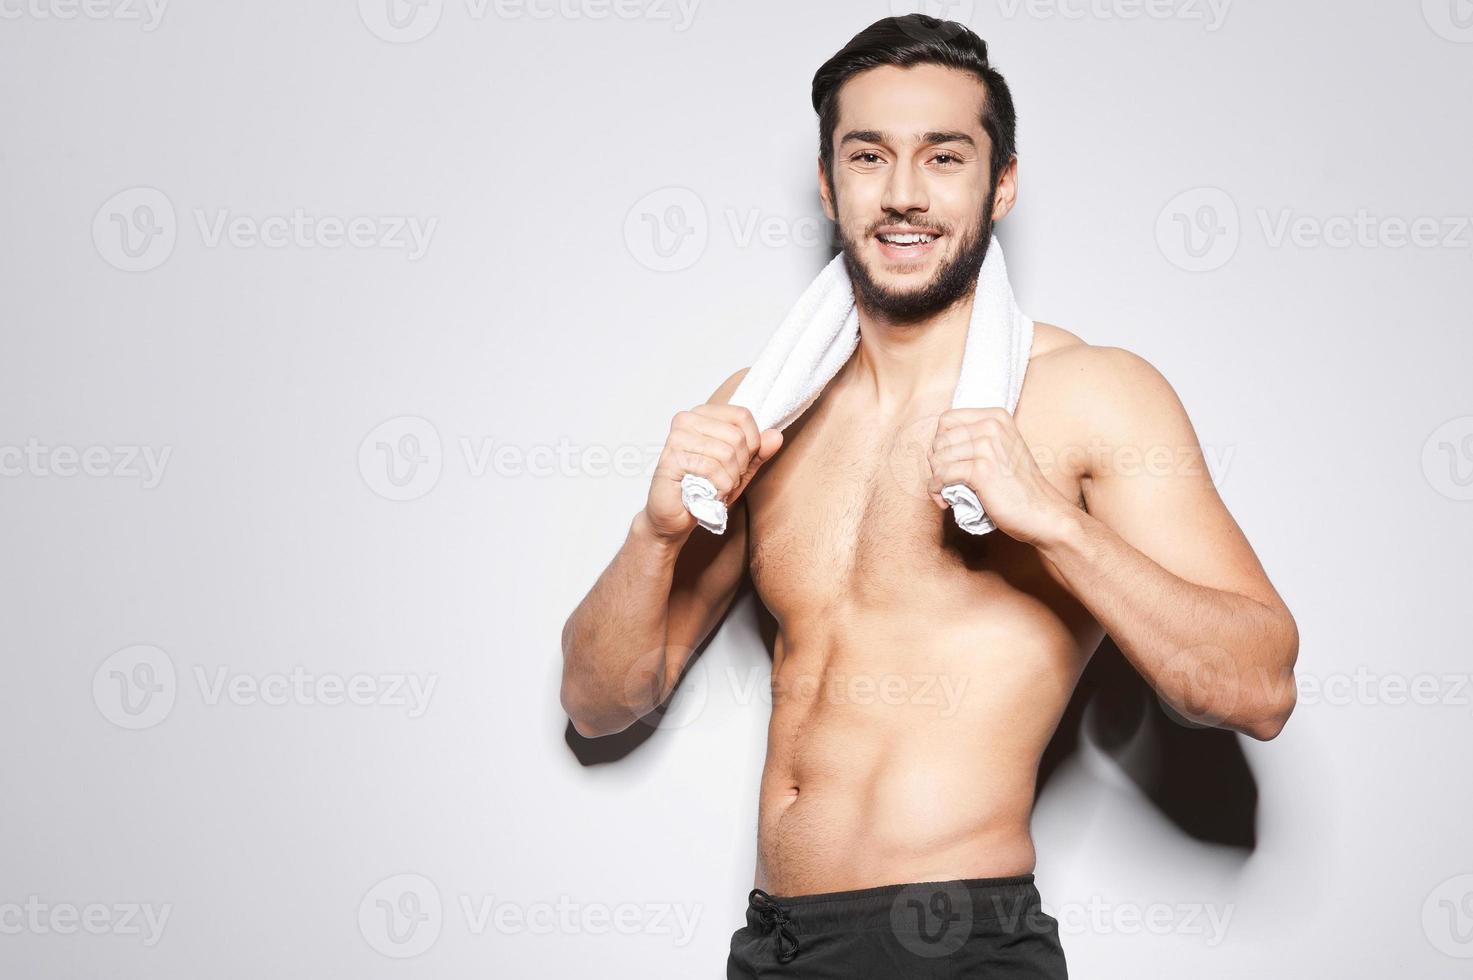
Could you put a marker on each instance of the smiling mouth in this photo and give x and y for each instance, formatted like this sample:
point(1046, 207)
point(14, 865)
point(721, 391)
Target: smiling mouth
point(907, 239)
point(907, 248)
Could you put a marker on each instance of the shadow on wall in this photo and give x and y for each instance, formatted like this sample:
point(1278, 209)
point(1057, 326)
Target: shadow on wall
point(1197, 777)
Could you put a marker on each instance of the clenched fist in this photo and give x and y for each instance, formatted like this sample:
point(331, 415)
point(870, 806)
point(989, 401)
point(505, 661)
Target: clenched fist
point(982, 448)
point(718, 442)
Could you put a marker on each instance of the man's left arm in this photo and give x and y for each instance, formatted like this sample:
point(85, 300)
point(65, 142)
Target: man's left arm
point(1157, 558)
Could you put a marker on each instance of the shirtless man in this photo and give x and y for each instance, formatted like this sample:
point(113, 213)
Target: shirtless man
point(893, 831)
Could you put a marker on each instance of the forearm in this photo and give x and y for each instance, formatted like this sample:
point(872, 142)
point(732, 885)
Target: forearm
point(1216, 657)
point(614, 643)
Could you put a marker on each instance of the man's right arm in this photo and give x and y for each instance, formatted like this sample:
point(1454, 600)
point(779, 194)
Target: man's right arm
point(630, 638)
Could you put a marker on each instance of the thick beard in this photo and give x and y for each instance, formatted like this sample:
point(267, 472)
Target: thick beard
point(955, 280)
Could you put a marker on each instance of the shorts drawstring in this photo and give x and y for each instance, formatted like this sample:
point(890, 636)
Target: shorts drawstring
point(774, 916)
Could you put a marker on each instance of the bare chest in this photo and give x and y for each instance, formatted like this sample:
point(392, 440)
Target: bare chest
point(842, 517)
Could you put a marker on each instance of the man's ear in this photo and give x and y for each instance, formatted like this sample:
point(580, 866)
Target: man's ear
point(1007, 191)
point(825, 192)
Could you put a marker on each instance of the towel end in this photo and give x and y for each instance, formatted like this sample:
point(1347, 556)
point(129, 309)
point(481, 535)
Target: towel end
point(699, 496)
point(967, 509)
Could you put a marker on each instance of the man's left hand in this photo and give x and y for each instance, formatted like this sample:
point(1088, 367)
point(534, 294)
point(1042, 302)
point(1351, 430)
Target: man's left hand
point(983, 448)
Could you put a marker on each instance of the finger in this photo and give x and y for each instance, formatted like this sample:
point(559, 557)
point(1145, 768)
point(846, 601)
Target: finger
point(772, 441)
point(721, 454)
point(681, 463)
point(738, 415)
point(951, 431)
point(949, 473)
point(955, 445)
point(725, 432)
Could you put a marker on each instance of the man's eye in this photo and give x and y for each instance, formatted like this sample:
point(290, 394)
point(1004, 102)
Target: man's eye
point(866, 157)
point(946, 159)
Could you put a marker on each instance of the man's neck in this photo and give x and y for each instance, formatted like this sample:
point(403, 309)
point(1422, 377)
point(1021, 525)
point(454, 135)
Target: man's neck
point(898, 364)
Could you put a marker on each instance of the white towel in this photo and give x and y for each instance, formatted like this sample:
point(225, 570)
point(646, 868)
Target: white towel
point(820, 334)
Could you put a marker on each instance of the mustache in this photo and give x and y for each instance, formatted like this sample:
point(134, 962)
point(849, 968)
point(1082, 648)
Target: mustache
point(911, 222)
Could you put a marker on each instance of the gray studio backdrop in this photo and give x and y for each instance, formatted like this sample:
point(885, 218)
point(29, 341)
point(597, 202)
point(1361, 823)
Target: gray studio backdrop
point(338, 342)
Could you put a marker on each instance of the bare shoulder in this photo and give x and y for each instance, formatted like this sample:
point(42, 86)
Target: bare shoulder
point(1116, 393)
point(1048, 338)
point(722, 395)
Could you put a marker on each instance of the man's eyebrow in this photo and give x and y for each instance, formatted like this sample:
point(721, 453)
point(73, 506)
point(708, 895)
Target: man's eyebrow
point(863, 136)
point(927, 139)
point(931, 139)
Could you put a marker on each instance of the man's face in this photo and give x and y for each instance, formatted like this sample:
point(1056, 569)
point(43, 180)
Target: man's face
point(911, 185)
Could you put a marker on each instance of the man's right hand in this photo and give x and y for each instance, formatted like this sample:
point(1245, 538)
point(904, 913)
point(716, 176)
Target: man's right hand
point(719, 442)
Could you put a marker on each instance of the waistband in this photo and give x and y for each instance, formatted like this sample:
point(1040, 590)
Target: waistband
point(979, 900)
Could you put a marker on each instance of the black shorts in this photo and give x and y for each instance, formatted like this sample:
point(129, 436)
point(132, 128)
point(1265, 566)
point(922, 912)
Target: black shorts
point(976, 927)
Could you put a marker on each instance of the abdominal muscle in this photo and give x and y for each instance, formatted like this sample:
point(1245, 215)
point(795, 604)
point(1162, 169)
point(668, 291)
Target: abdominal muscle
point(904, 745)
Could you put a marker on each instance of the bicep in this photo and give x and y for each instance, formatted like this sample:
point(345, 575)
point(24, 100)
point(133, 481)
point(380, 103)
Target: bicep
point(1147, 479)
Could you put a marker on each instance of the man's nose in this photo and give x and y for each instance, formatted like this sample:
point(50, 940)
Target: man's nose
point(905, 191)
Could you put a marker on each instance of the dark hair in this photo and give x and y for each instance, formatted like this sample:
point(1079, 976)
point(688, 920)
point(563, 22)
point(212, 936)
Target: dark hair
point(916, 39)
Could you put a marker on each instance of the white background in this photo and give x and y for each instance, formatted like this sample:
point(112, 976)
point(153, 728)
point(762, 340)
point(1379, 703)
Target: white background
point(1333, 378)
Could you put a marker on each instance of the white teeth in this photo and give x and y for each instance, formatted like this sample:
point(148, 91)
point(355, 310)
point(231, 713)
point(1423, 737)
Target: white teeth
point(914, 239)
